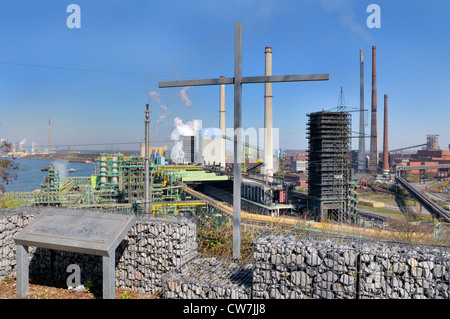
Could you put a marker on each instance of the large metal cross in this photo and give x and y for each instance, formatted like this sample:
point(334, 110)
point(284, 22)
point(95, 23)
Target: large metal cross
point(238, 80)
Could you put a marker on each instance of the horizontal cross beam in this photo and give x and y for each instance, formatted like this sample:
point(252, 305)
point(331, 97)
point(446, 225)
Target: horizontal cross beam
point(202, 82)
point(286, 78)
point(248, 79)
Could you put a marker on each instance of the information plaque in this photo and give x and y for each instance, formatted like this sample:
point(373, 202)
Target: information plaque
point(85, 232)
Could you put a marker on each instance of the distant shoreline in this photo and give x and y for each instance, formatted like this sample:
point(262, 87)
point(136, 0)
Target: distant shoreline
point(73, 160)
point(30, 175)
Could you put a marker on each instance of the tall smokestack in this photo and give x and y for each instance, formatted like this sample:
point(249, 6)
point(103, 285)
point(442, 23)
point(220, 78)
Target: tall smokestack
point(374, 122)
point(268, 119)
point(362, 141)
point(49, 135)
point(146, 162)
point(385, 138)
point(222, 124)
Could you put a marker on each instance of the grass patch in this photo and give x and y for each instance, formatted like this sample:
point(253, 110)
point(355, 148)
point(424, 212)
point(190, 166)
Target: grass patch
point(385, 198)
point(7, 201)
point(217, 238)
point(384, 211)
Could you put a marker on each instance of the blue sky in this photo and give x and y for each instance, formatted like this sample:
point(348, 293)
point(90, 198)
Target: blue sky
point(93, 82)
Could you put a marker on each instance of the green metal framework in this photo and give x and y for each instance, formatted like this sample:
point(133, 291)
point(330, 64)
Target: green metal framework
point(118, 183)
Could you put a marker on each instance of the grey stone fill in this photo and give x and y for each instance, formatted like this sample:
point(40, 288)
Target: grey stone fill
point(159, 256)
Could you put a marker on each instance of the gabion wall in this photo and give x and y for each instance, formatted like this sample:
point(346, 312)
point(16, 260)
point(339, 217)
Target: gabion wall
point(295, 266)
point(159, 256)
point(152, 248)
point(393, 270)
point(11, 222)
point(209, 277)
point(292, 267)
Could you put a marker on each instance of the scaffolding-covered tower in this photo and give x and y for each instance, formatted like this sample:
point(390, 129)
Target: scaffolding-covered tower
point(331, 195)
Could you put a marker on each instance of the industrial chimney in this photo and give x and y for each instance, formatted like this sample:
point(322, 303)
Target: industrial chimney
point(362, 141)
point(268, 119)
point(374, 114)
point(222, 124)
point(385, 138)
point(49, 136)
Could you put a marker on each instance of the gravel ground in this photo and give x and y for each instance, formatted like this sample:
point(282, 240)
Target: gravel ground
point(50, 291)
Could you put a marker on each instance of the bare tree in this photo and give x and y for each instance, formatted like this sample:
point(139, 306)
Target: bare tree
point(6, 166)
point(410, 230)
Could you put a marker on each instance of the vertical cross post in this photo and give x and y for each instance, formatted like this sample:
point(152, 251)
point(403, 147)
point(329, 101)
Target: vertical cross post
point(222, 125)
point(237, 154)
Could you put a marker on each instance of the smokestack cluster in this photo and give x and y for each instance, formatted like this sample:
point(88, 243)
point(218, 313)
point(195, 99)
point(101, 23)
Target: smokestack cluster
point(373, 166)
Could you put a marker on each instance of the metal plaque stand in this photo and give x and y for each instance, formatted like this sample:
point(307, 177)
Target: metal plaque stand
point(82, 232)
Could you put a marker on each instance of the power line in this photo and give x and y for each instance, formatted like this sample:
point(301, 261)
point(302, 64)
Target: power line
point(80, 69)
point(101, 144)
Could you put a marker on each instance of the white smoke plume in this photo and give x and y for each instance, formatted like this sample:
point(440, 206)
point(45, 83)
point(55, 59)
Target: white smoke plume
point(345, 10)
point(182, 129)
point(177, 153)
point(183, 94)
point(21, 143)
point(154, 96)
point(185, 129)
point(62, 166)
point(161, 118)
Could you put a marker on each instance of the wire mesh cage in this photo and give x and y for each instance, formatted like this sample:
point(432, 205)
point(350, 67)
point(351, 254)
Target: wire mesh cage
point(210, 277)
point(391, 270)
point(289, 265)
point(292, 266)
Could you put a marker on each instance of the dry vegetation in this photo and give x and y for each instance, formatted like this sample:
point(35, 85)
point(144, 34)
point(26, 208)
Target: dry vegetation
point(217, 239)
point(54, 291)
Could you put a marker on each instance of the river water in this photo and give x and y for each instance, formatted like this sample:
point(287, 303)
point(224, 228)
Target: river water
point(30, 176)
